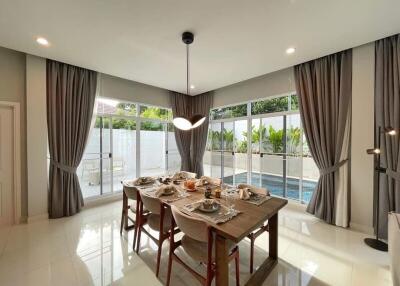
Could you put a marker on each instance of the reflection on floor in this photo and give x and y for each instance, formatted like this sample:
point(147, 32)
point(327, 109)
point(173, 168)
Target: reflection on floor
point(87, 249)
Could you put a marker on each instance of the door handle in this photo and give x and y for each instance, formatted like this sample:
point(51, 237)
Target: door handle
point(110, 155)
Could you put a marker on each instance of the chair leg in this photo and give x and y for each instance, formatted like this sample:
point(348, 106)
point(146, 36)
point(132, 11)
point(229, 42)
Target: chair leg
point(237, 268)
point(209, 277)
point(122, 221)
point(251, 253)
point(137, 214)
point(169, 265)
point(135, 231)
point(160, 243)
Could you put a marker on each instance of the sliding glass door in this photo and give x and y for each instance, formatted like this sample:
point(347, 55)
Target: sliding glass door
point(127, 141)
point(262, 143)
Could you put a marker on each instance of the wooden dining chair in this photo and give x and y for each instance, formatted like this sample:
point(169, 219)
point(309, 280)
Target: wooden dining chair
point(198, 243)
point(159, 219)
point(264, 228)
point(130, 193)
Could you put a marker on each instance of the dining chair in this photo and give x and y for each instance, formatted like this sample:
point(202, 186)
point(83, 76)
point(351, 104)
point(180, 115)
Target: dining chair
point(159, 219)
point(130, 194)
point(264, 228)
point(198, 243)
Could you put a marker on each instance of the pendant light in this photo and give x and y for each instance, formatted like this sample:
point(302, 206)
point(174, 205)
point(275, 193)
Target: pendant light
point(196, 120)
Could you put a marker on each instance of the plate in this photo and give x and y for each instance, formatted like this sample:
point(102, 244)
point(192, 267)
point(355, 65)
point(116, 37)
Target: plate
point(171, 192)
point(215, 208)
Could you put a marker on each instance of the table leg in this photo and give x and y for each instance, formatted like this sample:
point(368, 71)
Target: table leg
point(221, 258)
point(268, 265)
point(273, 236)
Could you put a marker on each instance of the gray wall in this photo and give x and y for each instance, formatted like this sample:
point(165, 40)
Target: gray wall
point(279, 82)
point(12, 88)
point(127, 90)
point(362, 128)
point(36, 136)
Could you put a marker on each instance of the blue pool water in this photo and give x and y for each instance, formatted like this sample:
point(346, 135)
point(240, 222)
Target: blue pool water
point(275, 185)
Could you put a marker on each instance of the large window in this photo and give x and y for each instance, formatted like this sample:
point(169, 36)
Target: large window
point(264, 147)
point(128, 140)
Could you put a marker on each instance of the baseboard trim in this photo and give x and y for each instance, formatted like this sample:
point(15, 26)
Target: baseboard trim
point(38, 217)
point(362, 228)
point(101, 200)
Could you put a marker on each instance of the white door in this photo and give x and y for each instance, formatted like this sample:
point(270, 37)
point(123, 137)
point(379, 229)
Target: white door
point(6, 165)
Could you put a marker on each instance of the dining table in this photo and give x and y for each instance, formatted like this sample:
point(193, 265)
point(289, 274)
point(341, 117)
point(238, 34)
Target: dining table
point(249, 218)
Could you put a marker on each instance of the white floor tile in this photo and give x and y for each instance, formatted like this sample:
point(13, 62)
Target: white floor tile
point(87, 249)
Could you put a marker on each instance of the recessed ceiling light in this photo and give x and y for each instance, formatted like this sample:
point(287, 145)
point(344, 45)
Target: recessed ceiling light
point(290, 50)
point(192, 86)
point(42, 41)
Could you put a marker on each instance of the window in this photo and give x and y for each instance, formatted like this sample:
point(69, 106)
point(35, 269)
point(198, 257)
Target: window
point(128, 140)
point(229, 112)
point(277, 104)
point(278, 158)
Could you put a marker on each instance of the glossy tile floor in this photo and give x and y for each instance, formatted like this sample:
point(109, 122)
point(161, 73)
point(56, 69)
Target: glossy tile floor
point(87, 250)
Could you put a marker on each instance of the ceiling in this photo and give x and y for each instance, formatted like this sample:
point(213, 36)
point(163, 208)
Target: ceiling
point(234, 39)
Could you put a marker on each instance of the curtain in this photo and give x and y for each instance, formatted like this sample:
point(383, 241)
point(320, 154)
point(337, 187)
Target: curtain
point(71, 93)
point(201, 104)
point(181, 107)
point(192, 143)
point(387, 113)
point(324, 90)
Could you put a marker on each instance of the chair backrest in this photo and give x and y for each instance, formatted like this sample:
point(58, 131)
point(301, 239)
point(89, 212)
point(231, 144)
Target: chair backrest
point(194, 228)
point(152, 204)
point(261, 191)
point(129, 189)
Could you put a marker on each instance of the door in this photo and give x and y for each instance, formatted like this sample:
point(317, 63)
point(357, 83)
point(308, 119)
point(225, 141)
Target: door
point(6, 165)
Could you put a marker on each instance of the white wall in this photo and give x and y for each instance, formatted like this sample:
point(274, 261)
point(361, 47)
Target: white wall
point(362, 138)
point(36, 136)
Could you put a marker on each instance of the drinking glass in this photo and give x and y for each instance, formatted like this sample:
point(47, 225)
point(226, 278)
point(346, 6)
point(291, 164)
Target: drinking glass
point(230, 199)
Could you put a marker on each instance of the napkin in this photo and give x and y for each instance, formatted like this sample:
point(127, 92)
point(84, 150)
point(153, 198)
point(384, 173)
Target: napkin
point(164, 189)
point(254, 190)
point(180, 176)
point(244, 194)
point(204, 180)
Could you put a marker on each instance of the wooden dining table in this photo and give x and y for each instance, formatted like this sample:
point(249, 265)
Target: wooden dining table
point(250, 218)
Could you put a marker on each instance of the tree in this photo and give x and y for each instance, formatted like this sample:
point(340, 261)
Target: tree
point(275, 139)
point(228, 137)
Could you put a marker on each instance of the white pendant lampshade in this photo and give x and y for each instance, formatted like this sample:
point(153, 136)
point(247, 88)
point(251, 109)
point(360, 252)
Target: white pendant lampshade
point(197, 120)
point(182, 123)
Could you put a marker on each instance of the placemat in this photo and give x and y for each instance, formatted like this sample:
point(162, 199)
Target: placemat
point(220, 216)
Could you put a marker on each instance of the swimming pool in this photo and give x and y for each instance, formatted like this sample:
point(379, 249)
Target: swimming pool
point(275, 185)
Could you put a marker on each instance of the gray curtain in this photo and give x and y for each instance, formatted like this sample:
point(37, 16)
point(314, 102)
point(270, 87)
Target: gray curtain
point(71, 93)
point(181, 107)
point(387, 113)
point(191, 144)
point(201, 104)
point(324, 90)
